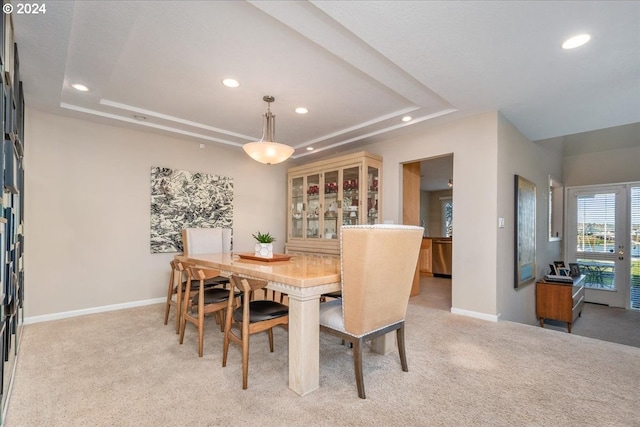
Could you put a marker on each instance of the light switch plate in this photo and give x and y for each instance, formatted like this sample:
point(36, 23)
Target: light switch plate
point(500, 222)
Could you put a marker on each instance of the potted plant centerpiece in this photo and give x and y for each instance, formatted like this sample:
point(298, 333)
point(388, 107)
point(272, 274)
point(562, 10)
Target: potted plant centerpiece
point(264, 247)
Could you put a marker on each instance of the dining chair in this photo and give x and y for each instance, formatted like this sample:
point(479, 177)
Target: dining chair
point(253, 316)
point(207, 240)
point(204, 301)
point(178, 280)
point(378, 263)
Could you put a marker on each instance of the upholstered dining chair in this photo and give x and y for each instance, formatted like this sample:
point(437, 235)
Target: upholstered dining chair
point(207, 240)
point(205, 301)
point(255, 315)
point(378, 263)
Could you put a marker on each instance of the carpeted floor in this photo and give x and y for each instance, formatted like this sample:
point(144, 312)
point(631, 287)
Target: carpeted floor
point(597, 321)
point(125, 368)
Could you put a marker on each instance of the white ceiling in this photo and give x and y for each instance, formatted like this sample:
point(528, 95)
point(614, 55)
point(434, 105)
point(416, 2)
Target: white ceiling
point(358, 66)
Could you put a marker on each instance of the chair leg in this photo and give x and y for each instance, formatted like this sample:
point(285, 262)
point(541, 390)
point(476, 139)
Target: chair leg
point(183, 319)
point(357, 367)
point(169, 295)
point(403, 354)
point(200, 322)
point(179, 307)
point(245, 354)
point(220, 318)
point(178, 314)
point(270, 332)
point(183, 325)
point(225, 344)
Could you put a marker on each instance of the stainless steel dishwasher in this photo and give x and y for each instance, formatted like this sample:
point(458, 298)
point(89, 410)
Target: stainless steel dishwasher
point(441, 258)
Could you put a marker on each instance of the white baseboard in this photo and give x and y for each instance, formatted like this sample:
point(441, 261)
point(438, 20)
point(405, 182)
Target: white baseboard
point(475, 314)
point(85, 311)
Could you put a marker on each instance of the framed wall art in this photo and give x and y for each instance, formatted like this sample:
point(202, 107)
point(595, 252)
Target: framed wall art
point(525, 231)
point(182, 199)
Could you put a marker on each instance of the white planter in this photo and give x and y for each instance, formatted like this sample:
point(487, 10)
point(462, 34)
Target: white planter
point(264, 250)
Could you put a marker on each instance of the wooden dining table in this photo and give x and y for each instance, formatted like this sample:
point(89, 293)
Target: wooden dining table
point(303, 278)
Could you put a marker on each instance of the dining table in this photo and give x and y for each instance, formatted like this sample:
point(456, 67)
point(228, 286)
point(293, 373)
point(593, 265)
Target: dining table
point(304, 278)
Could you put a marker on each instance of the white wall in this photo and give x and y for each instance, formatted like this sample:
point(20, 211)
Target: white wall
point(87, 209)
point(473, 142)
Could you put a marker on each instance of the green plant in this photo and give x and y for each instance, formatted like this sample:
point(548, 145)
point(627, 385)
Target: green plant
point(264, 237)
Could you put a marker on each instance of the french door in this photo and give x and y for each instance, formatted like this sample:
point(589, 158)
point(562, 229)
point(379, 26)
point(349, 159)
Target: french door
point(603, 237)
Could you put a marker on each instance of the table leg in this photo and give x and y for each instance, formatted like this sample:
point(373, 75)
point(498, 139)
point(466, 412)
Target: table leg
point(384, 344)
point(304, 344)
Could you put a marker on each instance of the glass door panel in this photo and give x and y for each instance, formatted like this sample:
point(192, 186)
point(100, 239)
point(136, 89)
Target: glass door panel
point(634, 248)
point(372, 195)
point(350, 196)
point(297, 205)
point(596, 236)
point(330, 222)
point(313, 208)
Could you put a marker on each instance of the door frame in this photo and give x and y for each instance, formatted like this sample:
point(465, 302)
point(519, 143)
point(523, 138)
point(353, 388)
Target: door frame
point(620, 297)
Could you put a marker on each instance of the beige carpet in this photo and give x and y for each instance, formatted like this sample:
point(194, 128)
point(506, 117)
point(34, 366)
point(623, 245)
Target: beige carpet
point(597, 321)
point(125, 368)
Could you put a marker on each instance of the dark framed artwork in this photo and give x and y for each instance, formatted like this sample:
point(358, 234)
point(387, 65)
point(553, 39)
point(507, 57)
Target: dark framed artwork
point(574, 267)
point(525, 231)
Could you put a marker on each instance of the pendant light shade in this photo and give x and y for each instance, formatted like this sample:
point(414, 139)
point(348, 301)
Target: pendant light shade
point(267, 150)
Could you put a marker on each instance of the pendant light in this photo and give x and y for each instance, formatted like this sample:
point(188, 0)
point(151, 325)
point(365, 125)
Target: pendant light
point(267, 150)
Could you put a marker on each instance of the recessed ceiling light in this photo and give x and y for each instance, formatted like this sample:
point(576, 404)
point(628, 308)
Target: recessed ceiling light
point(230, 83)
point(406, 118)
point(309, 148)
point(80, 87)
point(576, 41)
point(301, 110)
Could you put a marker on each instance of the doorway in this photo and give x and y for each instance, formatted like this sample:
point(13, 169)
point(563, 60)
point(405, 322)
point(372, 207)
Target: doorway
point(428, 201)
point(603, 237)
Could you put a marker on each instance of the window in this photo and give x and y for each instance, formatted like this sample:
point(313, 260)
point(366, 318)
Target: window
point(446, 204)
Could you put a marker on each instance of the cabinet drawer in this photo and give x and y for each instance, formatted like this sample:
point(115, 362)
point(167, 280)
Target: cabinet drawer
point(578, 301)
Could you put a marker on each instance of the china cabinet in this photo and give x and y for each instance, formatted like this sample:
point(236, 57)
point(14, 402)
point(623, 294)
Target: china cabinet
point(325, 195)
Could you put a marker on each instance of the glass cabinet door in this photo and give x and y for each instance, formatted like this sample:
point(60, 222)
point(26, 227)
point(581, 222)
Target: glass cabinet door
point(331, 206)
point(350, 196)
point(297, 207)
point(372, 194)
point(313, 207)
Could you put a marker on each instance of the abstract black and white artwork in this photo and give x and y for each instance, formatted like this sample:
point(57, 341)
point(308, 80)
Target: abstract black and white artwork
point(182, 199)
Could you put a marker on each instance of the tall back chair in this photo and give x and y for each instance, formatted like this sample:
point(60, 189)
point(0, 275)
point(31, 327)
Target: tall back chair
point(378, 263)
point(255, 315)
point(206, 240)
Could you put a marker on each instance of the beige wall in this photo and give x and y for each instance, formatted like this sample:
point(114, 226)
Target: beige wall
point(87, 210)
point(608, 167)
point(473, 142)
point(487, 152)
point(604, 156)
point(518, 156)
